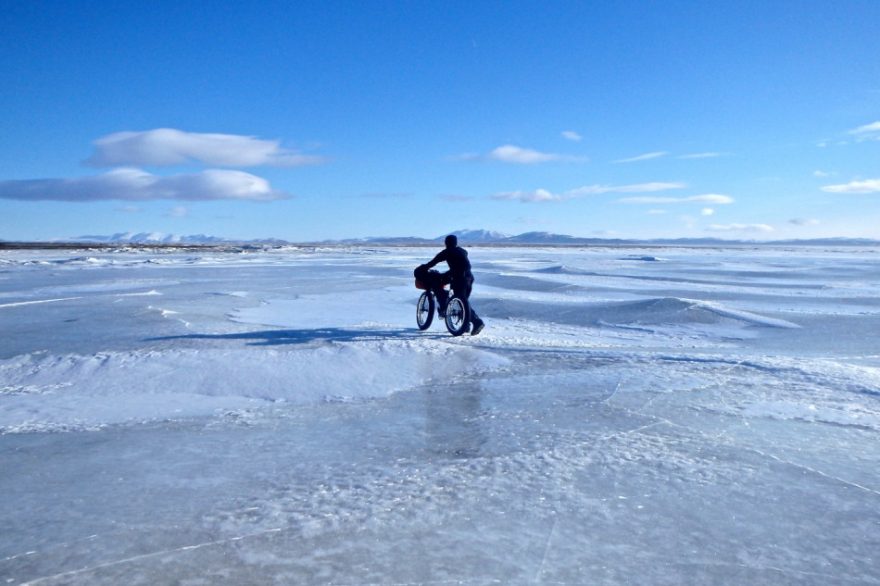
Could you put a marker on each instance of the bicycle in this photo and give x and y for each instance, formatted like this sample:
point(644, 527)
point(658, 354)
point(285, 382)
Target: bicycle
point(457, 315)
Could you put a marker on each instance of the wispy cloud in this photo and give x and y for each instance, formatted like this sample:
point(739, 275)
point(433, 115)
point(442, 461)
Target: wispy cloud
point(872, 128)
point(707, 212)
point(804, 222)
point(709, 155)
point(137, 185)
point(752, 228)
point(712, 198)
point(643, 157)
point(164, 147)
point(631, 188)
point(865, 186)
point(544, 195)
point(521, 156)
point(516, 155)
point(536, 196)
point(572, 135)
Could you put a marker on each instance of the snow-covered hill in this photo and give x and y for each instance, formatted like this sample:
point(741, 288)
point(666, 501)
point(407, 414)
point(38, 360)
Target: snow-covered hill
point(150, 238)
point(162, 238)
point(477, 236)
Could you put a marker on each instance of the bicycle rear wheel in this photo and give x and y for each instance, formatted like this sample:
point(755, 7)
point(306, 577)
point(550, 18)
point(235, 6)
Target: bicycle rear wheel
point(425, 311)
point(457, 315)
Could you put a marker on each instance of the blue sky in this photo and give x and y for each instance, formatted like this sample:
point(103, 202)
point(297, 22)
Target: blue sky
point(319, 120)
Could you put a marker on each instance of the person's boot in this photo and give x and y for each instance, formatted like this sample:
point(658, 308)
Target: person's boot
point(477, 327)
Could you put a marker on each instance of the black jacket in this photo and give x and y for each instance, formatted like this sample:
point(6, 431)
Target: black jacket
point(457, 259)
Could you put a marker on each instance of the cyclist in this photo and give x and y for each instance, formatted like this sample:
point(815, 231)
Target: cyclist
point(459, 274)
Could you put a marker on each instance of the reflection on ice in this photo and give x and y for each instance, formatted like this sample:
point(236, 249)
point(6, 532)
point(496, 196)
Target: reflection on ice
point(654, 417)
point(452, 421)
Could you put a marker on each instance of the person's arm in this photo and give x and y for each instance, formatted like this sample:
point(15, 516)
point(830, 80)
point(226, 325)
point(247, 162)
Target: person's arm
point(441, 256)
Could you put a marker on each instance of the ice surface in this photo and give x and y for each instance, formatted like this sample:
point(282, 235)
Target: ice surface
point(628, 416)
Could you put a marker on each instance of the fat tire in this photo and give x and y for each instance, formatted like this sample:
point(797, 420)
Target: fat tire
point(458, 315)
point(425, 311)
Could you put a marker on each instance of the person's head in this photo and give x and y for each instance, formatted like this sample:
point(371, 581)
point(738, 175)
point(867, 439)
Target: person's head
point(451, 241)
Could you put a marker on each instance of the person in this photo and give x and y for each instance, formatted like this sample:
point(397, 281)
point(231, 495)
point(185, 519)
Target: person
point(459, 275)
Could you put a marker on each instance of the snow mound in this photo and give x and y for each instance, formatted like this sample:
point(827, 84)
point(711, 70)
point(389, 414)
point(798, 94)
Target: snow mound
point(664, 311)
point(86, 392)
point(643, 258)
point(673, 310)
point(561, 270)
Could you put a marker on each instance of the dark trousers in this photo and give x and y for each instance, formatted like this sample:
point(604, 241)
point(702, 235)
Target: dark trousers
point(462, 287)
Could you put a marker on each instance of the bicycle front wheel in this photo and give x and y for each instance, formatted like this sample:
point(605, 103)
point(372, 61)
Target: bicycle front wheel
point(425, 311)
point(457, 316)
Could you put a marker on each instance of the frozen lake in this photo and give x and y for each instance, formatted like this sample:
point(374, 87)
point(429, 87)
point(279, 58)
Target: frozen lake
point(628, 416)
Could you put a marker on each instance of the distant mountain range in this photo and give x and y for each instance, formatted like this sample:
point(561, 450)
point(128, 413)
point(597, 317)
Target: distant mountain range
point(465, 237)
point(489, 237)
point(150, 238)
point(160, 238)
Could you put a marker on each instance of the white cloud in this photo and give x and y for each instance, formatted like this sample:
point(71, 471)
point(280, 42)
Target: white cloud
point(820, 174)
point(713, 198)
point(867, 128)
point(644, 157)
point(710, 155)
point(167, 146)
point(536, 196)
point(571, 135)
point(633, 188)
point(761, 228)
point(804, 222)
point(866, 186)
point(707, 212)
point(137, 185)
point(657, 212)
point(544, 195)
point(517, 155)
